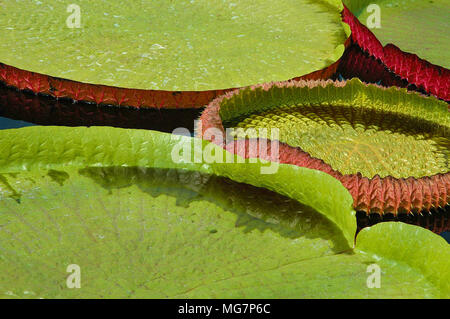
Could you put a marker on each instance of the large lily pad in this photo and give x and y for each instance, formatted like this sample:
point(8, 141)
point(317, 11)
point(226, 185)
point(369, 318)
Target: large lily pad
point(366, 136)
point(416, 26)
point(379, 131)
point(139, 225)
point(172, 45)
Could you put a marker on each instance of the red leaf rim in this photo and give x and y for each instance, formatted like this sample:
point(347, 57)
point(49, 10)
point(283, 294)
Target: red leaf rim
point(117, 96)
point(433, 79)
point(381, 195)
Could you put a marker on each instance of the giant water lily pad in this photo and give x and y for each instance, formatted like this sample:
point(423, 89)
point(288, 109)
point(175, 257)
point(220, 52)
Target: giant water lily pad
point(139, 225)
point(403, 62)
point(416, 26)
point(171, 45)
point(387, 146)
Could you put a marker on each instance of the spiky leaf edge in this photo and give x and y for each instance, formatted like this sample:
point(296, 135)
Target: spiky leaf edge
point(377, 195)
point(433, 79)
point(139, 98)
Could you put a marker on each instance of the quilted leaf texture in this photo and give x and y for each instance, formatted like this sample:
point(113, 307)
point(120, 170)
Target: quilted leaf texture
point(314, 122)
point(140, 225)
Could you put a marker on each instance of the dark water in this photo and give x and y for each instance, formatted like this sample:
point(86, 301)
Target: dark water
point(446, 236)
point(6, 123)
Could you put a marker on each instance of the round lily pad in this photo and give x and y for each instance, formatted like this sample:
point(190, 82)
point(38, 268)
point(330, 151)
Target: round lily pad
point(389, 147)
point(170, 45)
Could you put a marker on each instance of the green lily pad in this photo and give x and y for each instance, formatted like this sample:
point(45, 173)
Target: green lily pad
point(416, 26)
point(436, 267)
point(379, 131)
point(138, 224)
point(388, 147)
point(171, 45)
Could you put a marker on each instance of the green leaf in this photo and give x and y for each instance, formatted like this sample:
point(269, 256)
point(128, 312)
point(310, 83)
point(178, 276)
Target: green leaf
point(139, 225)
point(172, 45)
point(426, 252)
point(106, 147)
